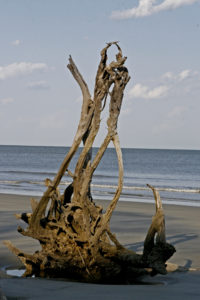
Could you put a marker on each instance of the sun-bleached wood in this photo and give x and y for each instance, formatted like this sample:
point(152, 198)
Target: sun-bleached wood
point(74, 233)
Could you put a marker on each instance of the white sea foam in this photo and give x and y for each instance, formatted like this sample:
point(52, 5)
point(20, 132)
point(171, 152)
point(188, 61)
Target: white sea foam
point(175, 173)
point(105, 186)
point(139, 188)
point(15, 272)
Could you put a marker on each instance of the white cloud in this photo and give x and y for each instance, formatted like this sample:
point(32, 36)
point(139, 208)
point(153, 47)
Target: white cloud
point(142, 91)
point(180, 76)
point(168, 75)
point(182, 82)
point(16, 43)
point(38, 85)
point(184, 74)
point(5, 101)
point(149, 7)
point(21, 68)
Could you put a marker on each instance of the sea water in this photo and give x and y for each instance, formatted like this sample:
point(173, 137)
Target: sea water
point(176, 173)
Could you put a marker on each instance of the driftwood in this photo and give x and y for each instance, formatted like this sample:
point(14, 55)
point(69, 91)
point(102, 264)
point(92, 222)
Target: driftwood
point(74, 234)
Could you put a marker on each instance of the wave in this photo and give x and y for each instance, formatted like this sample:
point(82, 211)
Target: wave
point(139, 188)
point(47, 173)
point(103, 186)
point(10, 182)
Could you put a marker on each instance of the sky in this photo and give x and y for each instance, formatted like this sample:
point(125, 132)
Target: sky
point(40, 101)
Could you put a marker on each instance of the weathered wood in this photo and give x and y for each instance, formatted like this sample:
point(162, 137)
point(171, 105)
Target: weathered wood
point(156, 250)
point(74, 234)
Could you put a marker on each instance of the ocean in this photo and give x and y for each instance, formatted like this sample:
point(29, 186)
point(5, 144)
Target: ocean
point(176, 173)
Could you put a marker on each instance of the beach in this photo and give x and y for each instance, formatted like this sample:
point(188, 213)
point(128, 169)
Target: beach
point(130, 222)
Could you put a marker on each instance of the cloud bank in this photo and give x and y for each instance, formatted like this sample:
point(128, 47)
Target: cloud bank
point(142, 91)
point(180, 76)
point(150, 7)
point(168, 82)
point(22, 68)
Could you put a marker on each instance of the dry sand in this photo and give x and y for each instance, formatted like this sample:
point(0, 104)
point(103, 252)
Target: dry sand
point(130, 222)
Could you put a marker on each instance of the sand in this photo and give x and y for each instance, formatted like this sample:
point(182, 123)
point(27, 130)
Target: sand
point(130, 222)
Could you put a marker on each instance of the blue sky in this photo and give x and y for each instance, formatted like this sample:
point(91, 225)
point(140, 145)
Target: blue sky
point(40, 101)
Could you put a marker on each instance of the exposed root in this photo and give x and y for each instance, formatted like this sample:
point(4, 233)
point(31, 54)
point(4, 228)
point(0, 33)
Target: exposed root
point(73, 231)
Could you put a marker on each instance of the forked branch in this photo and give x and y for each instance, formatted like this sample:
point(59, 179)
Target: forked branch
point(74, 233)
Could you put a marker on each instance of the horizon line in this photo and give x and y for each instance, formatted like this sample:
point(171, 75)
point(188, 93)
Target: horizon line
point(139, 148)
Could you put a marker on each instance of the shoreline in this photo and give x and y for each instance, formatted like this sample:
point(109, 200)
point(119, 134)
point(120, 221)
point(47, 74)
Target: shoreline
point(130, 222)
point(123, 197)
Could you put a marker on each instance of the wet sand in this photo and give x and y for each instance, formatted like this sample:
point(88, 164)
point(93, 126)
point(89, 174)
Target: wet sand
point(130, 222)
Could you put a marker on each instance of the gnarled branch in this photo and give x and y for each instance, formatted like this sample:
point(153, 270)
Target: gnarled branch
point(74, 234)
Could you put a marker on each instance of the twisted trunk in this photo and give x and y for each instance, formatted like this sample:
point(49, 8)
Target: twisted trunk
point(74, 233)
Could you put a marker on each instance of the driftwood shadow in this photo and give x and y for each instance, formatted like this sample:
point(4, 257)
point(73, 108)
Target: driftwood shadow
point(174, 239)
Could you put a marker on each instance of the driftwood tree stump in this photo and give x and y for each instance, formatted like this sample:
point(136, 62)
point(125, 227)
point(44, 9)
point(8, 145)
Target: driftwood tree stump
point(74, 234)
